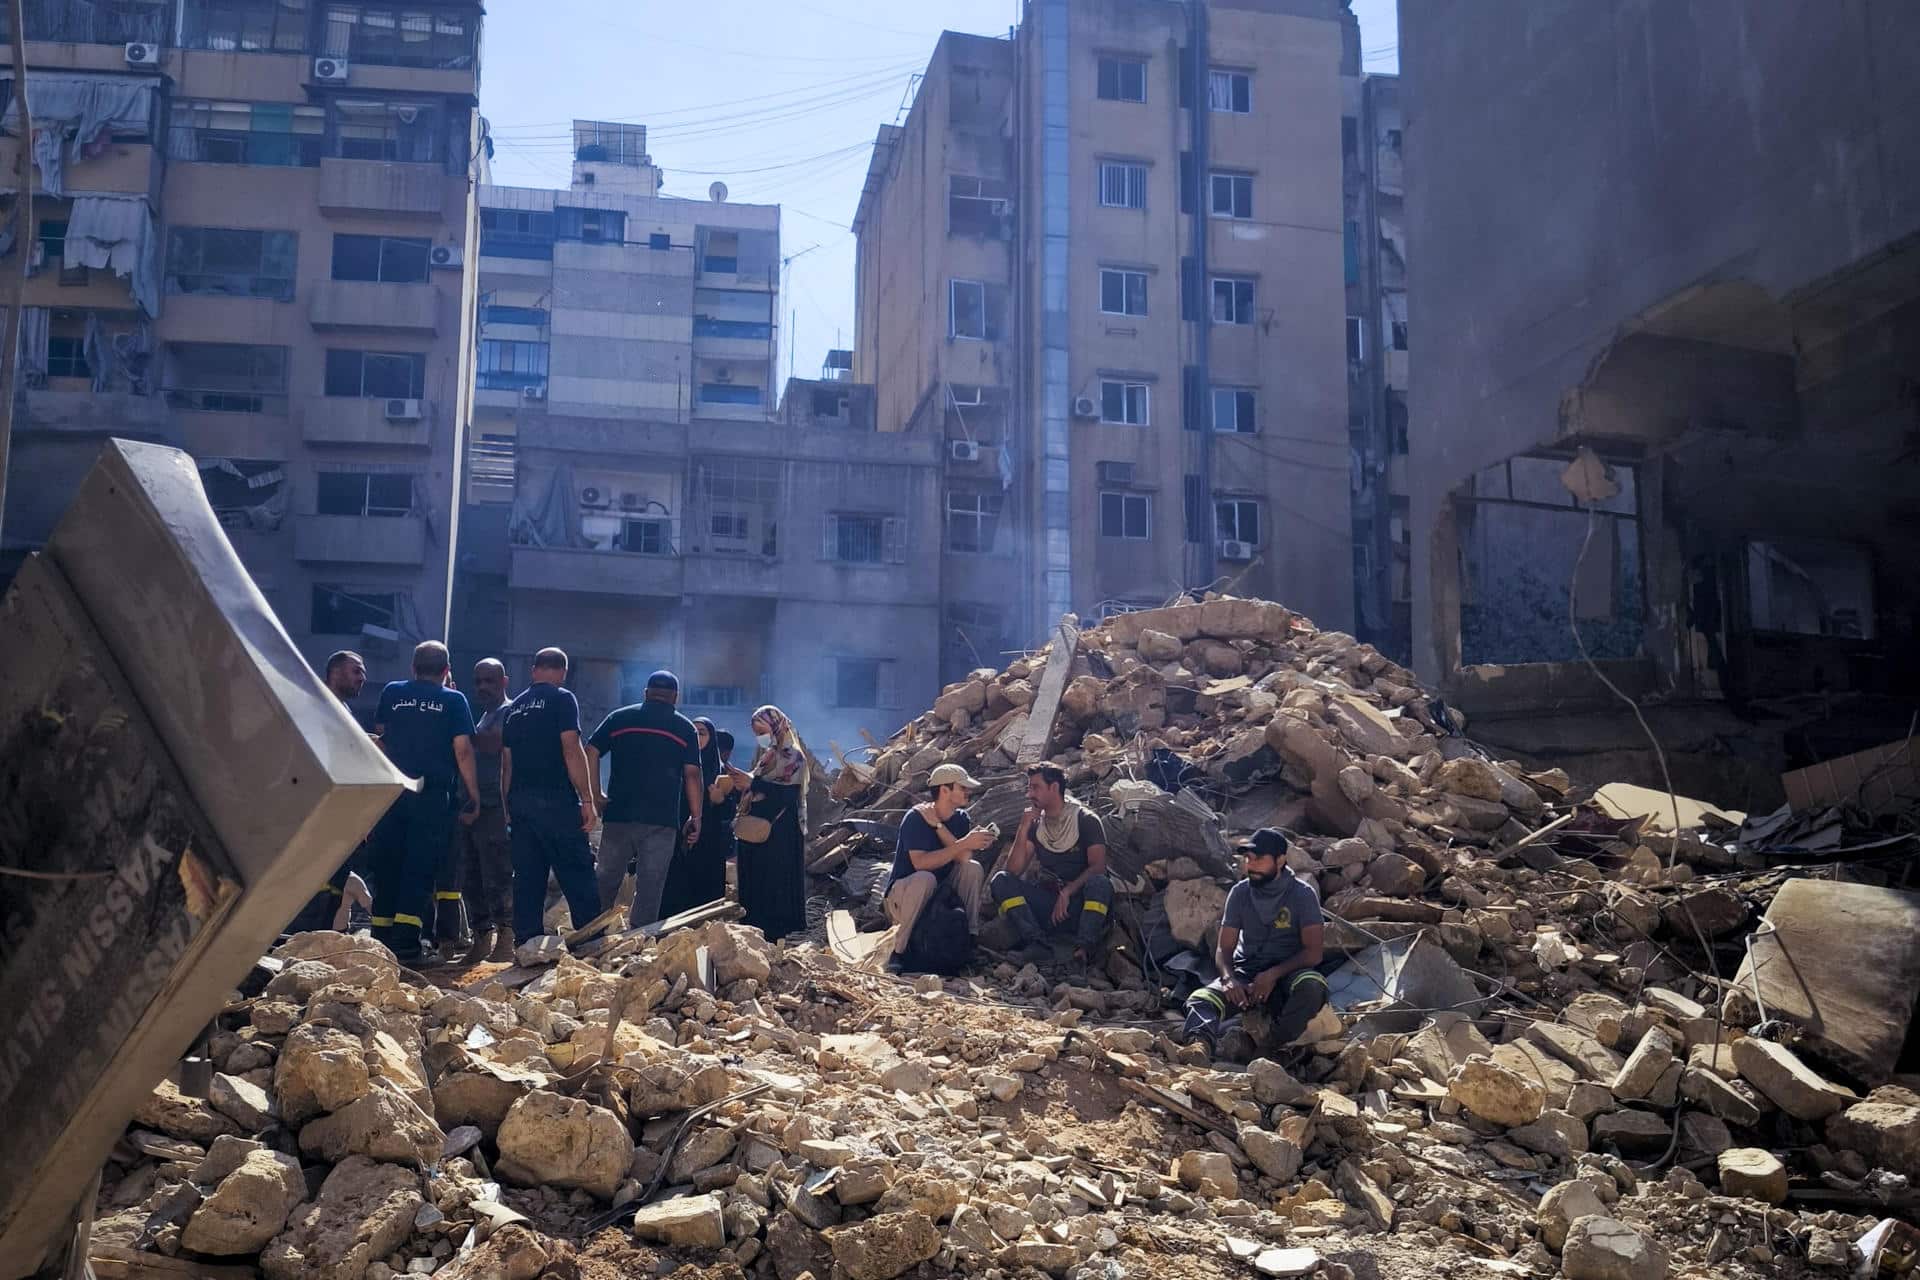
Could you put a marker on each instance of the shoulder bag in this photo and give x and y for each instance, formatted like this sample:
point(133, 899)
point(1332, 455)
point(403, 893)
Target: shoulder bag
point(751, 828)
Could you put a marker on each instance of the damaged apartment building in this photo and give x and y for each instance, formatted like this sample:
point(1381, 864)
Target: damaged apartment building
point(640, 497)
point(1098, 267)
point(1695, 250)
point(250, 221)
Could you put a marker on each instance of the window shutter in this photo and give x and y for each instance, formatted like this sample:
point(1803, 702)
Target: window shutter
point(830, 542)
point(893, 533)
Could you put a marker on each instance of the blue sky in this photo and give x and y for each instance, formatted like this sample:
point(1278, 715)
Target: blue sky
point(779, 99)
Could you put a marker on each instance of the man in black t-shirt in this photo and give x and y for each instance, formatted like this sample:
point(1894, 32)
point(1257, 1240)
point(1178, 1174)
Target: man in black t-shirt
point(655, 790)
point(936, 847)
point(548, 799)
point(1056, 874)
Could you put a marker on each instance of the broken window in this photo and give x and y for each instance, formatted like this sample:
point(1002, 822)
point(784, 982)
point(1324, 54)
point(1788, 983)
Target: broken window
point(246, 26)
point(1126, 515)
point(973, 519)
point(408, 132)
point(1237, 520)
point(1120, 79)
point(974, 637)
point(1123, 184)
point(344, 611)
point(975, 310)
point(864, 682)
point(1520, 539)
point(979, 207)
point(1123, 293)
point(739, 498)
point(1230, 195)
point(382, 35)
point(1232, 300)
point(1233, 410)
point(240, 489)
point(231, 263)
point(385, 259)
point(265, 133)
point(364, 493)
point(864, 539)
point(1810, 588)
point(226, 377)
point(396, 375)
point(1124, 402)
point(1229, 91)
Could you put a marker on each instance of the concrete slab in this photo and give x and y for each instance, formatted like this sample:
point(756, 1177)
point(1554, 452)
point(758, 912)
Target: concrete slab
point(1841, 961)
point(185, 783)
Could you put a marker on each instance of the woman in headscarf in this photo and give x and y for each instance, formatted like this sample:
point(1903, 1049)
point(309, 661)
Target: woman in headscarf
point(697, 874)
point(773, 878)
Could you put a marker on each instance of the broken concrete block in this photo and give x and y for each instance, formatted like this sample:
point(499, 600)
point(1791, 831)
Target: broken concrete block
point(1194, 908)
point(321, 1069)
point(1645, 1065)
point(1577, 1048)
point(883, 1246)
point(1791, 1084)
point(248, 1208)
point(565, 1142)
point(1601, 1248)
point(384, 1125)
point(363, 1212)
point(691, 1222)
point(1887, 1134)
point(173, 1113)
point(1563, 1205)
point(1634, 1132)
point(1754, 1174)
point(1209, 1174)
point(1496, 1093)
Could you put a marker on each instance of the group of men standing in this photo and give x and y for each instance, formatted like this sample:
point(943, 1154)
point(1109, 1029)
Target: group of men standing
point(503, 803)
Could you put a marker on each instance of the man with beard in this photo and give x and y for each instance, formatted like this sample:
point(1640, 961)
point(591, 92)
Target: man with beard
point(346, 675)
point(1271, 939)
point(485, 852)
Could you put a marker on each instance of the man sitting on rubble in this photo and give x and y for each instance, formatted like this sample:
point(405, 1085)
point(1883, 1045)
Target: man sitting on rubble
point(935, 851)
point(1271, 939)
point(1056, 870)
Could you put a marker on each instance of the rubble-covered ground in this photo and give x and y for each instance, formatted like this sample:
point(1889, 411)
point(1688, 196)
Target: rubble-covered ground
point(782, 1110)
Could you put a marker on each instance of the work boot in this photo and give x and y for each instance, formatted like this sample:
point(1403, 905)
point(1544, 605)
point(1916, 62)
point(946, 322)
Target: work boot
point(502, 946)
point(482, 947)
point(426, 956)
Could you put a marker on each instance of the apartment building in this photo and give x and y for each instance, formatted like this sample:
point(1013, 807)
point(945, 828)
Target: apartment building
point(252, 222)
point(642, 495)
point(1100, 263)
point(1372, 147)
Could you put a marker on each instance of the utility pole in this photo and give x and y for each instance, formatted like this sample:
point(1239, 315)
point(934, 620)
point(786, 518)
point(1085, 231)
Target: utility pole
point(22, 239)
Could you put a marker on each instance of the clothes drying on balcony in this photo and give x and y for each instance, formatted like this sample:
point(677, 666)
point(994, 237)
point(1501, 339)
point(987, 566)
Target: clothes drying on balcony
point(75, 116)
point(117, 232)
point(552, 520)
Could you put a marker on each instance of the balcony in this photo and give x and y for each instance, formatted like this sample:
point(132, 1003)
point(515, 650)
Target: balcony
point(382, 187)
point(116, 413)
point(119, 168)
point(731, 339)
point(360, 304)
point(340, 420)
point(606, 573)
point(738, 575)
point(400, 540)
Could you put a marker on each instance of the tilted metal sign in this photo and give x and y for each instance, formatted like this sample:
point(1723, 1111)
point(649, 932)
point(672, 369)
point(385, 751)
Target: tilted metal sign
point(175, 782)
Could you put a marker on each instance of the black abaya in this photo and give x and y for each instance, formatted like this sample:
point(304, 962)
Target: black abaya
point(773, 878)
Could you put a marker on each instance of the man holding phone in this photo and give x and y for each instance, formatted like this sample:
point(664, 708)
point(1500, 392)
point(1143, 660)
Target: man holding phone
point(936, 847)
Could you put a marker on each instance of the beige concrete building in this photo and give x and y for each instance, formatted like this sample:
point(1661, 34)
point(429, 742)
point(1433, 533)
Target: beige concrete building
point(1121, 315)
point(252, 225)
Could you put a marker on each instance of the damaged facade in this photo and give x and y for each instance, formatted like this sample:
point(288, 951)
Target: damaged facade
point(1118, 315)
point(260, 260)
point(1730, 319)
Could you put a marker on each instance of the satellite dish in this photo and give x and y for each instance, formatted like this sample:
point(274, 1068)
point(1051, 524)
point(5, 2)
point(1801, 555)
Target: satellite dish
point(717, 192)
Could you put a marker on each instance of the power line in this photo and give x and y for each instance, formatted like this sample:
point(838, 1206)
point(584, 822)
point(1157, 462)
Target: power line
point(800, 92)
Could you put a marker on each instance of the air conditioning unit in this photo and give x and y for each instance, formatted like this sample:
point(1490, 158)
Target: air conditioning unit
point(330, 70)
point(444, 255)
point(1084, 407)
point(533, 393)
point(141, 54)
point(1230, 550)
point(403, 411)
point(1114, 472)
point(592, 497)
point(631, 501)
point(964, 450)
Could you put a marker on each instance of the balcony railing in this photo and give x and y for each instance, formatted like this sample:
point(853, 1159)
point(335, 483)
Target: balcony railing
point(706, 327)
point(94, 21)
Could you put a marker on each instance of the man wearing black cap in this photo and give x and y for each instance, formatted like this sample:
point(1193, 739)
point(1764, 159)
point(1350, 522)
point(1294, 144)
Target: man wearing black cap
point(654, 791)
point(1271, 937)
point(549, 799)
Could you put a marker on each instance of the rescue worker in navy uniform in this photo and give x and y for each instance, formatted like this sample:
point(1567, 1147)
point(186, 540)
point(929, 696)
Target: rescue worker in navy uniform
point(1056, 876)
point(426, 729)
point(346, 675)
point(549, 799)
point(1272, 936)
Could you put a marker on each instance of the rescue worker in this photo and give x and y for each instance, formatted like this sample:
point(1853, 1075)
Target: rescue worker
point(549, 799)
point(486, 854)
point(426, 729)
point(449, 929)
point(655, 793)
point(1056, 874)
point(1271, 938)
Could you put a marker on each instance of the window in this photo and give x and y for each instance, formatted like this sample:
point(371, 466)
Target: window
point(864, 682)
point(364, 493)
point(973, 519)
point(713, 327)
point(67, 357)
point(410, 132)
point(386, 36)
point(714, 695)
point(1399, 335)
point(246, 26)
point(646, 537)
point(1126, 515)
point(516, 233)
point(495, 313)
point(1232, 300)
point(978, 207)
point(226, 377)
point(265, 133)
point(53, 251)
point(342, 611)
point(722, 253)
point(864, 539)
point(1237, 520)
point(394, 375)
point(592, 226)
point(387, 259)
point(1230, 91)
point(1122, 79)
point(1123, 293)
point(730, 393)
point(975, 310)
point(238, 488)
point(231, 263)
point(1811, 588)
point(1356, 340)
point(1123, 185)
point(1124, 402)
point(737, 495)
point(508, 366)
point(1233, 410)
point(1230, 195)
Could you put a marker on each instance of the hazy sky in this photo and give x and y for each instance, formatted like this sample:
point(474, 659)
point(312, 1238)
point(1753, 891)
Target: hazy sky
point(779, 99)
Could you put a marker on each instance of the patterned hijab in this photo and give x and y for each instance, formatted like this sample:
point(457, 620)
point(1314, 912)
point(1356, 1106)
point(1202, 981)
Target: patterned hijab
point(785, 762)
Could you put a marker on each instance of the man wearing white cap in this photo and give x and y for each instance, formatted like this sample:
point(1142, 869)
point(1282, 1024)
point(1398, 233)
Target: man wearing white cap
point(936, 846)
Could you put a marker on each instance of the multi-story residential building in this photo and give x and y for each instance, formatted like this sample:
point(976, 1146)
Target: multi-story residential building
point(1371, 146)
point(252, 224)
point(1100, 263)
point(640, 500)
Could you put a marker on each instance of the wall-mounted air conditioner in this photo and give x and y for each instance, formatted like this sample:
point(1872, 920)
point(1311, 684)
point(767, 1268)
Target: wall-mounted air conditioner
point(403, 411)
point(592, 497)
point(1120, 473)
point(444, 256)
point(1084, 407)
point(1232, 550)
point(330, 70)
point(533, 393)
point(141, 54)
point(964, 450)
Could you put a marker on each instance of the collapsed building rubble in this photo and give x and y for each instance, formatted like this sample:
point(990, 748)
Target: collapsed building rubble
point(1544, 1061)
